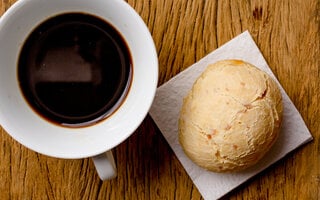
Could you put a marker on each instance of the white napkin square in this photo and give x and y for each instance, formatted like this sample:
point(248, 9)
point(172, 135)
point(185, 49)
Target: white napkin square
point(168, 101)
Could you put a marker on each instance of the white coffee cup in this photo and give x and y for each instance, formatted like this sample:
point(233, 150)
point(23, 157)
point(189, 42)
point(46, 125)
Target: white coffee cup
point(95, 141)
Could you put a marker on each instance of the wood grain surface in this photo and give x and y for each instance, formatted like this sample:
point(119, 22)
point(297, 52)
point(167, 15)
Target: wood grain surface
point(287, 33)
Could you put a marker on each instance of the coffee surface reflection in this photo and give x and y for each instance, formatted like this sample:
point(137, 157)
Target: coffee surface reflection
point(75, 69)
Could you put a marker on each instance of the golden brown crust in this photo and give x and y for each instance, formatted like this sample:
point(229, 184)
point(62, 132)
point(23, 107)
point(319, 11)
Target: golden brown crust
point(231, 117)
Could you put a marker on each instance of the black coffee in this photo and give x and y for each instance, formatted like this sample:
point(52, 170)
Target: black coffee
point(75, 69)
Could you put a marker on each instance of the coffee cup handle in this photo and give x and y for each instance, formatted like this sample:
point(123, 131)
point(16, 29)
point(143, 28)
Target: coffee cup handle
point(105, 165)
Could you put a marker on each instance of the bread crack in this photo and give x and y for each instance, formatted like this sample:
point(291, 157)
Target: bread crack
point(200, 130)
point(264, 93)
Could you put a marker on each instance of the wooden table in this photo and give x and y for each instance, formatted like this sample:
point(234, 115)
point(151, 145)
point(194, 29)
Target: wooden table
point(287, 32)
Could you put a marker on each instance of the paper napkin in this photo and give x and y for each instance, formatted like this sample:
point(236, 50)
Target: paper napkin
point(168, 101)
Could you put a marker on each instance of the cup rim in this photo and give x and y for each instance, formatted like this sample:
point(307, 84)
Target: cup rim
point(26, 127)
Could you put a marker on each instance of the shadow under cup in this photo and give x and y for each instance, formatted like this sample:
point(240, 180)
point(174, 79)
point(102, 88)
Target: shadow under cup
point(75, 69)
